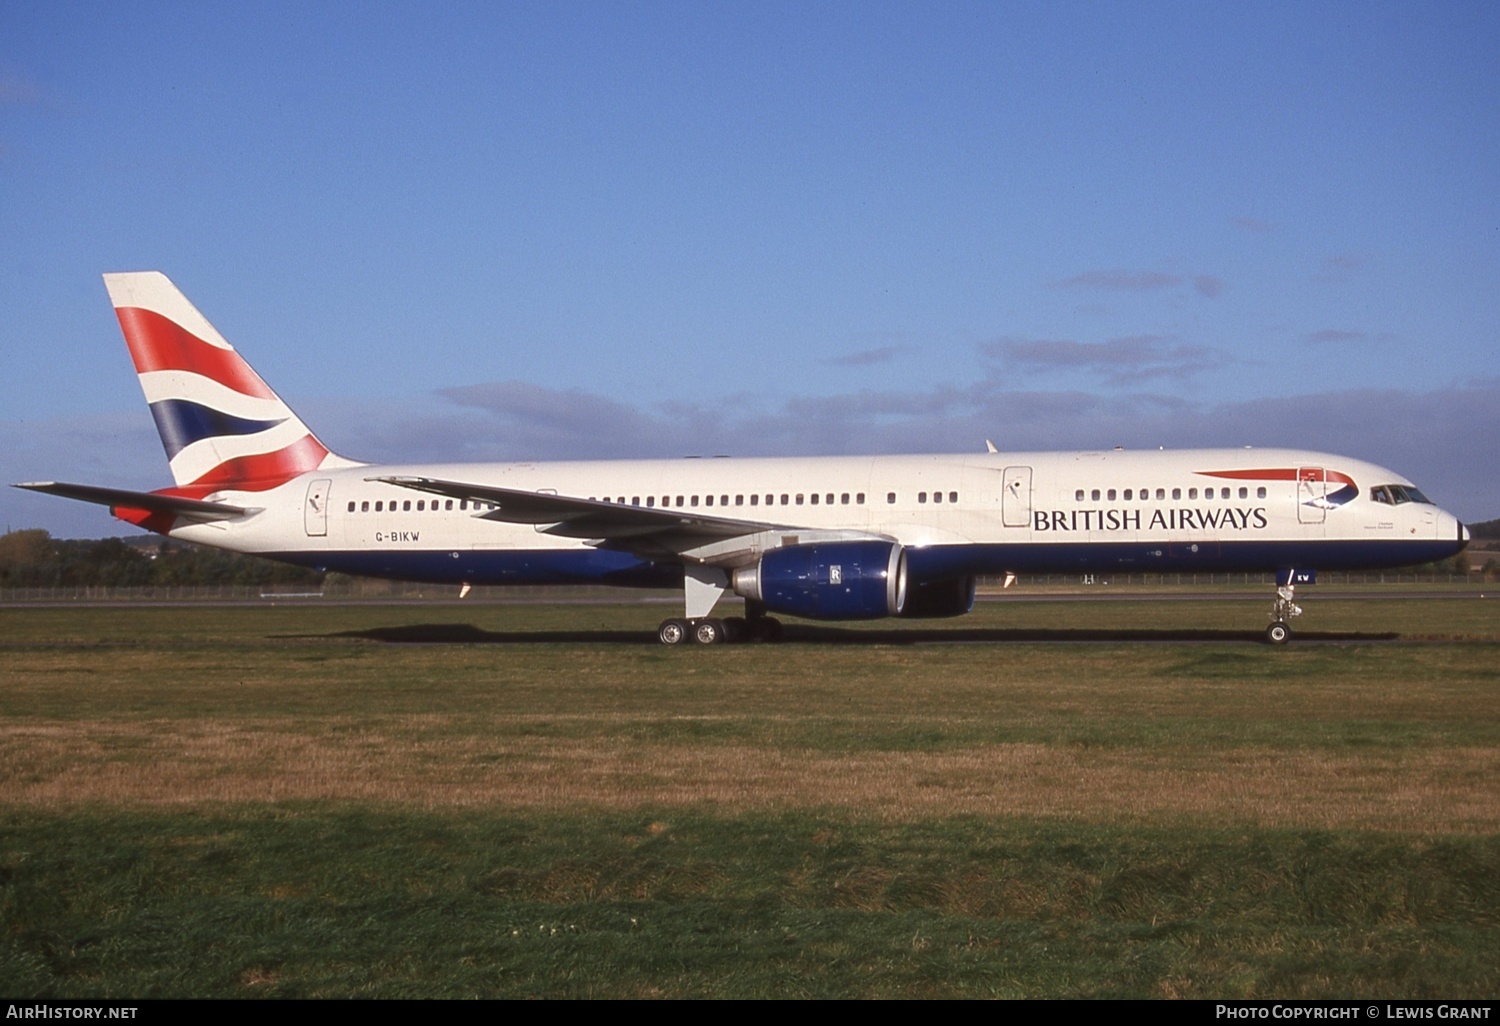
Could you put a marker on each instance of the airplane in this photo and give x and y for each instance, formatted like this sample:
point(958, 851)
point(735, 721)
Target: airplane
point(824, 538)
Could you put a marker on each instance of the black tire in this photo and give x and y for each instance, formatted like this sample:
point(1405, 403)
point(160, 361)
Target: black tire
point(735, 629)
point(672, 632)
point(708, 632)
point(1278, 633)
point(770, 629)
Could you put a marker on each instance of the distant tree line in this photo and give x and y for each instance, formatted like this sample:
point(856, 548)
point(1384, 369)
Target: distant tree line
point(35, 559)
point(1485, 529)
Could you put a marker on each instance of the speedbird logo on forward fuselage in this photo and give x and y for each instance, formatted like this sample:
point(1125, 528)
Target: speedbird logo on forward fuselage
point(1312, 483)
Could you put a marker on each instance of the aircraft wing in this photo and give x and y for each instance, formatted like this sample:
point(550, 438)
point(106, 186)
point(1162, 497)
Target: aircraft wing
point(153, 502)
point(612, 523)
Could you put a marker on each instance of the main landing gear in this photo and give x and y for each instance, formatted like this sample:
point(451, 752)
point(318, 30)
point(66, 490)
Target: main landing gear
point(713, 631)
point(702, 589)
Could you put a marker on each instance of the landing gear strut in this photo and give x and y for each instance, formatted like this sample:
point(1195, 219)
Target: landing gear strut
point(1282, 610)
point(759, 626)
point(702, 587)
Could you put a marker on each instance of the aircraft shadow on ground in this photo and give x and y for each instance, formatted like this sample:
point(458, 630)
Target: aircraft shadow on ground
point(815, 634)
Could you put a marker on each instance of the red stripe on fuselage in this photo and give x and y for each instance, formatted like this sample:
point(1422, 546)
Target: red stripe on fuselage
point(1276, 474)
point(158, 344)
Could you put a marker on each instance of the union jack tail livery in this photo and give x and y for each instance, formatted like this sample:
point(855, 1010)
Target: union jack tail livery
point(221, 425)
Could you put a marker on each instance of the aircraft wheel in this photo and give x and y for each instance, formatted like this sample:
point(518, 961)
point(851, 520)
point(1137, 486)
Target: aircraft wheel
point(770, 629)
point(708, 632)
point(1278, 633)
point(735, 629)
point(672, 632)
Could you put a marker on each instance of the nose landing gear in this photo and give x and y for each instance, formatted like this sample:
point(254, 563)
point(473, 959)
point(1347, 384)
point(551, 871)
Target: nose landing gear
point(1283, 608)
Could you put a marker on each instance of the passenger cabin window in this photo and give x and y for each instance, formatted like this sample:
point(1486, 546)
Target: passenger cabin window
point(1127, 495)
point(1260, 493)
point(1078, 495)
point(922, 497)
point(1094, 495)
point(1176, 493)
point(890, 497)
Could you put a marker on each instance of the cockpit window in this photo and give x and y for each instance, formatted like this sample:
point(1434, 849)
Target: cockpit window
point(1395, 494)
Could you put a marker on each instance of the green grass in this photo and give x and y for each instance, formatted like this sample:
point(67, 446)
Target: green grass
point(329, 801)
point(317, 902)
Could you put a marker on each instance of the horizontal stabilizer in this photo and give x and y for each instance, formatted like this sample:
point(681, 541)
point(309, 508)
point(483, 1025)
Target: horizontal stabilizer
point(153, 502)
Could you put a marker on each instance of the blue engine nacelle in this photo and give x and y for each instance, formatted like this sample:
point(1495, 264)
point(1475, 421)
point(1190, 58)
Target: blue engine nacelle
point(856, 580)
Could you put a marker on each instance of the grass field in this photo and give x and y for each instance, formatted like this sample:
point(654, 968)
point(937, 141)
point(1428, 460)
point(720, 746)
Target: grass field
point(1041, 799)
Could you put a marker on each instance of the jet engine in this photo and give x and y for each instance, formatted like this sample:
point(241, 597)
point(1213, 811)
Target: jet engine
point(856, 580)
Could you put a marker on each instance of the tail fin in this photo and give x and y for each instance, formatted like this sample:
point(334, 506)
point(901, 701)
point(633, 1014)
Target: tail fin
point(221, 425)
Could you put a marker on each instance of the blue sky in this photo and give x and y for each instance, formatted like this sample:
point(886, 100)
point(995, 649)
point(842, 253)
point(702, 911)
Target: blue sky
point(493, 231)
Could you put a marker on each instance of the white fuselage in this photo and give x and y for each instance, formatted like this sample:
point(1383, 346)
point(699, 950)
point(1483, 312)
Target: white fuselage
point(1253, 509)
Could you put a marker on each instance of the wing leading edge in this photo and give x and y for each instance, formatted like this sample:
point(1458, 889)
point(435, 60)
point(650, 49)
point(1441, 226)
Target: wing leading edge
point(645, 530)
point(570, 517)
